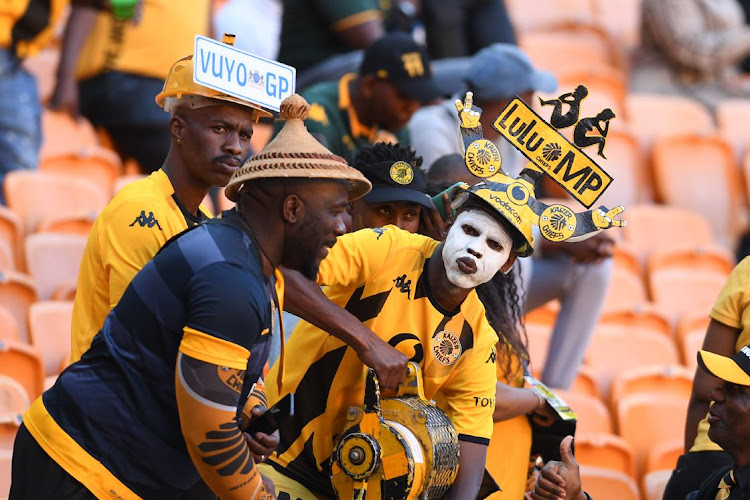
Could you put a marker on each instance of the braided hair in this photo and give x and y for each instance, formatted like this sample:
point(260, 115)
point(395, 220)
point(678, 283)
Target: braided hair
point(385, 151)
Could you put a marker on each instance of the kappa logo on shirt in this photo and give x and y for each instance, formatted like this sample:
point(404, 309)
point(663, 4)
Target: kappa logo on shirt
point(493, 356)
point(403, 285)
point(144, 220)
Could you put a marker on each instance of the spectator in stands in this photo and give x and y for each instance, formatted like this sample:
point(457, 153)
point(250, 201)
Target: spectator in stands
point(257, 22)
point(394, 79)
point(727, 333)
point(703, 40)
point(27, 26)
point(461, 28)
point(113, 63)
point(729, 427)
point(157, 402)
point(577, 274)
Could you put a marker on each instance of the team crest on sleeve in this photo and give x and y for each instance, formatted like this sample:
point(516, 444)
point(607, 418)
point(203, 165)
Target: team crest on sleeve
point(446, 347)
point(231, 377)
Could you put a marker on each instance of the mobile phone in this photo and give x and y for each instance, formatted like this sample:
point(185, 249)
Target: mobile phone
point(270, 421)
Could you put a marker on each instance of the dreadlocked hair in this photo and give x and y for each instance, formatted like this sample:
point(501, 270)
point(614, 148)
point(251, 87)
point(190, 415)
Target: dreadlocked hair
point(385, 151)
point(503, 311)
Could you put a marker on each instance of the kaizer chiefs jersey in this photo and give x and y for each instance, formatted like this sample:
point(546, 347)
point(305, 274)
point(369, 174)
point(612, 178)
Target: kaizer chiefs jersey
point(111, 420)
point(379, 275)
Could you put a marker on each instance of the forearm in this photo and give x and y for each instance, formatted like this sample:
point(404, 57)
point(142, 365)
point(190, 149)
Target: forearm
point(513, 401)
point(77, 30)
point(470, 472)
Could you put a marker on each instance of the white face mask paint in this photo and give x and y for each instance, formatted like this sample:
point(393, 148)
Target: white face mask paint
point(476, 248)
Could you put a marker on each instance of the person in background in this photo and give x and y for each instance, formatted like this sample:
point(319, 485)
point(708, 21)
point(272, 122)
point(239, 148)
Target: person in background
point(26, 26)
point(113, 62)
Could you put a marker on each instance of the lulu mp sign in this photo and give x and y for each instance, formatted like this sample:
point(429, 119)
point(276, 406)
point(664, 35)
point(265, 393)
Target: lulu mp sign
point(552, 152)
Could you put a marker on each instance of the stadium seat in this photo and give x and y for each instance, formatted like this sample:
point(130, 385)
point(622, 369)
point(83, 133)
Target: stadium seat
point(560, 51)
point(607, 484)
point(23, 363)
point(626, 291)
point(593, 415)
point(70, 223)
point(621, 19)
point(11, 233)
point(625, 256)
point(7, 260)
point(17, 293)
point(669, 277)
point(5, 469)
point(698, 172)
point(607, 87)
point(615, 348)
point(646, 318)
point(544, 14)
point(654, 484)
point(8, 325)
point(669, 381)
point(539, 324)
point(585, 383)
point(49, 324)
point(646, 420)
point(93, 163)
point(13, 399)
point(653, 115)
point(691, 330)
point(64, 134)
point(661, 227)
point(625, 163)
point(49, 274)
point(35, 195)
point(604, 450)
point(664, 455)
point(732, 117)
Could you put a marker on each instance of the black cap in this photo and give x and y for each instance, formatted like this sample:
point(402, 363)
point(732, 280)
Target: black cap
point(396, 57)
point(396, 181)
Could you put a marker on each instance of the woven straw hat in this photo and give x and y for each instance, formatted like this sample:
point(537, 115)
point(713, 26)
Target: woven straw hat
point(294, 153)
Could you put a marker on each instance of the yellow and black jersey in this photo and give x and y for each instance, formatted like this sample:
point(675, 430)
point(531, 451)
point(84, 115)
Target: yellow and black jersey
point(127, 233)
point(26, 26)
point(158, 396)
point(379, 275)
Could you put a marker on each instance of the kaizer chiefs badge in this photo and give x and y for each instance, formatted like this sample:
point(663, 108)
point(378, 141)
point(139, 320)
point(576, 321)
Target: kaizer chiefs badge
point(446, 347)
point(483, 158)
point(557, 223)
point(401, 172)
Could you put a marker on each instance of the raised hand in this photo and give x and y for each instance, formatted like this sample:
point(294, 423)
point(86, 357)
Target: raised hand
point(606, 220)
point(560, 480)
point(467, 112)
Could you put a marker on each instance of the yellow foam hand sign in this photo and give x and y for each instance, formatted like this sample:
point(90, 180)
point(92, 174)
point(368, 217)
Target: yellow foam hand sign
point(606, 220)
point(467, 112)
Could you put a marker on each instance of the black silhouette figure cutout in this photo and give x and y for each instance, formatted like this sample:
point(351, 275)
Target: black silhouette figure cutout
point(572, 99)
point(586, 125)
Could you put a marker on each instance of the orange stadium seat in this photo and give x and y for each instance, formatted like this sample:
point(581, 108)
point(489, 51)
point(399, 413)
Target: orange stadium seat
point(615, 348)
point(606, 484)
point(687, 167)
point(653, 115)
point(626, 291)
point(17, 293)
point(63, 134)
point(625, 163)
point(23, 363)
point(11, 232)
point(691, 330)
point(621, 19)
point(646, 318)
point(5, 470)
point(544, 14)
point(559, 51)
point(664, 455)
point(35, 195)
point(94, 163)
point(49, 324)
point(660, 227)
point(625, 256)
point(669, 380)
point(605, 450)
point(593, 415)
point(732, 117)
point(14, 399)
point(7, 259)
point(8, 325)
point(585, 383)
point(49, 274)
point(668, 281)
point(646, 420)
point(539, 324)
point(607, 89)
point(654, 484)
point(70, 223)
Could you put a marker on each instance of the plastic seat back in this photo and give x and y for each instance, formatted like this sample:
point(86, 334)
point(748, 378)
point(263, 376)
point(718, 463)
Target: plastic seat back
point(50, 323)
point(23, 363)
point(49, 274)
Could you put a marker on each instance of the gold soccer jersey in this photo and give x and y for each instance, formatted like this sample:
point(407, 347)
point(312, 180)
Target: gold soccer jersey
point(379, 276)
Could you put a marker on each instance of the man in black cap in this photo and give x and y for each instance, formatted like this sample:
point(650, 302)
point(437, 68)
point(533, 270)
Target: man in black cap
point(399, 188)
point(395, 78)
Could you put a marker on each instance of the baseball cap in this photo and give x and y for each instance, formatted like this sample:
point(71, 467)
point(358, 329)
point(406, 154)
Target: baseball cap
point(396, 181)
point(502, 70)
point(396, 57)
point(735, 369)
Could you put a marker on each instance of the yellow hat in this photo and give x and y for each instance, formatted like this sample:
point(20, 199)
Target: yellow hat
point(508, 197)
point(180, 83)
point(735, 369)
point(294, 153)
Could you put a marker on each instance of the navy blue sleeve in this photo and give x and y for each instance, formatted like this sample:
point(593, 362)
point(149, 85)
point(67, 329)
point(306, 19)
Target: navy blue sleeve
point(230, 303)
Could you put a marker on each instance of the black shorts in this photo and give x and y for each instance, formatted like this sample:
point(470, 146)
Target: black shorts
point(692, 469)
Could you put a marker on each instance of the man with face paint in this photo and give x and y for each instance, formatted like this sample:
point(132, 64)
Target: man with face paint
point(418, 295)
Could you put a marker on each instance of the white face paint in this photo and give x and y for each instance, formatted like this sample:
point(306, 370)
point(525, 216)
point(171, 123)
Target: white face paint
point(476, 248)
